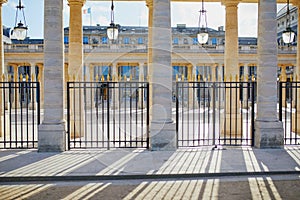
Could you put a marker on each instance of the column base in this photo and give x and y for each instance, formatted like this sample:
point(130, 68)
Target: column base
point(163, 137)
point(233, 126)
point(268, 134)
point(52, 138)
point(296, 121)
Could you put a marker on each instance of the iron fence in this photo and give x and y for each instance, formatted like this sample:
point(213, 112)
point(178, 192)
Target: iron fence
point(108, 114)
point(20, 114)
point(215, 113)
point(289, 111)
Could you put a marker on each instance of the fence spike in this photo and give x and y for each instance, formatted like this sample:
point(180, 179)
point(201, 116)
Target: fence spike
point(242, 78)
point(176, 77)
point(32, 77)
point(97, 78)
point(21, 77)
point(9, 77)
point(253, 78)
point(102, 78)
point(247, 78)
point(230, 78)
point(182, 77)
point(74, 78)
point(3, 77)
point(125, 78)
point(236, 78)
point(291, 77)
point(130, 77)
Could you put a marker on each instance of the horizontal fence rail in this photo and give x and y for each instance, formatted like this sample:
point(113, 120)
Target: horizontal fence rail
point(215, 113)
point(289, 111)
point(108, 114)
point(20, 114)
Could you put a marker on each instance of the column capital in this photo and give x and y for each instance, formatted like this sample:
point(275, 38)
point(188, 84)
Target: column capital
point(149, 3)
point(76, 2)
point(230, 3)
point(2, 2)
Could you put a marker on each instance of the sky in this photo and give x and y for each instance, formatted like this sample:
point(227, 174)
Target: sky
point(135, 14)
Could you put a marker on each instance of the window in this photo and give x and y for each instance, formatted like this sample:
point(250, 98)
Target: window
point(185, 41)
point(195, 41)
point(214, 41)
point(126, 40)
point(104, 40)
point(66, 40)
point(85, 40)
point(140, 41)
point(175, 41)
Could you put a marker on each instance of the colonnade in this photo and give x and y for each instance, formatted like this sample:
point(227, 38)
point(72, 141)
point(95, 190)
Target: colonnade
point(269, 131)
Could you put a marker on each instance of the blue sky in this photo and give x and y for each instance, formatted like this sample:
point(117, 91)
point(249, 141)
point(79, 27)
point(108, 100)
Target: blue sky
point(133, 13)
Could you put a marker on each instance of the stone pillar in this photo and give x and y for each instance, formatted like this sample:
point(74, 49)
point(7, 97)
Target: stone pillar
point(162, 128)
point(16, 91)
point(75, 39)
point(1, 66)
point(295, 128)
point(149, 4)
point(32, 98)
point(115, 93)
point(89, 93)
point(268, 129)
point(245, 90)
point(232, 111)
point(75, 67)
point(141, 101)
point(283, 78)
point(52, 134)
point(41, 80)
point(231, 38)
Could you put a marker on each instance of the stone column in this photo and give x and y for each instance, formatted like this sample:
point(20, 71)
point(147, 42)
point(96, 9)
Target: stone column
point(89, 97)
point(268, 129)
point(231, 38)
point(41, 80)
point(115, 92)
point(75, 39)
point(52, 134)
point(243, 78)
point(149, 4)
point(283, 78)
point(75, 67)
point(295, 128)
point(162, 128)
point(232, 111)
point(1, 66)
point(32, 98)
point(141, 101)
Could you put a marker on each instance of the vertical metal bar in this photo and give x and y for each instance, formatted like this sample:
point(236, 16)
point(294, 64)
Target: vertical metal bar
point(177, 114)
point(108, 116)
point(68, 115)
point(4, 114)
point(214, 111)
point(280, 101)
point(253, 84)
point(148, 120)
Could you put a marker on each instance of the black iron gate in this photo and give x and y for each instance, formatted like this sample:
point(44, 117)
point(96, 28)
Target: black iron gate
point(215, 113)
point(108, 114)
point(20, 114)
point(289, 111)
